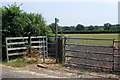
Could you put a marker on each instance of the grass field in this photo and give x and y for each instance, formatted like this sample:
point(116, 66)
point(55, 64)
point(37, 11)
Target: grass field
point(94, 42)
point(98, 36)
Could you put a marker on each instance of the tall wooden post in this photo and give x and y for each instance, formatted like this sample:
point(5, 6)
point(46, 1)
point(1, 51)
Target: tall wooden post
point(56, 40)
point(29, 45)
point(7, 50)
point(61, 50)
point(113, 68)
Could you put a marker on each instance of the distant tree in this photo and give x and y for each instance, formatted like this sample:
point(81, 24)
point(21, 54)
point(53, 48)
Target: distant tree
point(72, 28)
point(96, 27)
point(91, 27)
point(52, 27)
point(107, 26)
point(80, 27)
point(118, 26)
point(64, 28)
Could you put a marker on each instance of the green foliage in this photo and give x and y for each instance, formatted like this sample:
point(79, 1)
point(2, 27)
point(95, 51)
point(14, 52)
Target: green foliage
point(90, 27)
point(107, 26)
point(96, 27)
point(16, 23)
point(20, 63)
point(0, 19)
point(33, 23)
point(52, 27)
point(32, 61)
point(8, 15)
point(16, 63)
point(80, 27)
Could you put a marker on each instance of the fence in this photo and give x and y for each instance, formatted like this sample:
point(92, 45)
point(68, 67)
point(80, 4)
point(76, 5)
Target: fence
point(92, 53)
point(18, 45)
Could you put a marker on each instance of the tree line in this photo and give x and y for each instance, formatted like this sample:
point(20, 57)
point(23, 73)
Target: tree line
point(107, 27)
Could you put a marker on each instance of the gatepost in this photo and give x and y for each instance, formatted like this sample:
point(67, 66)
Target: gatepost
point(61, 57)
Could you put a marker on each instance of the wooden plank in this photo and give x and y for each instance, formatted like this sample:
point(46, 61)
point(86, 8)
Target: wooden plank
point(13, 38)
point(37, 46)
point(37, 41)
point(16, 43)
point(19, 48)
point(46, 46)
point(38, 36)
point(13, 54)
point(43, 52)
point(6, 49)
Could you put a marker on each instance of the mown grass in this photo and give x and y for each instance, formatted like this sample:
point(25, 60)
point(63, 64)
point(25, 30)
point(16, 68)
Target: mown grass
point(93, 42)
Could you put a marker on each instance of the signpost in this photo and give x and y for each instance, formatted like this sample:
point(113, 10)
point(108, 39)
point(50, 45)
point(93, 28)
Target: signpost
point(56, 38)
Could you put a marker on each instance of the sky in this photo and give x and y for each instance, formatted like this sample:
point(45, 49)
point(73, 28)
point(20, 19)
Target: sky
point(72, 12)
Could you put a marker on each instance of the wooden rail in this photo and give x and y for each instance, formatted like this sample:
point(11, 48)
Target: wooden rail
point(13, 42)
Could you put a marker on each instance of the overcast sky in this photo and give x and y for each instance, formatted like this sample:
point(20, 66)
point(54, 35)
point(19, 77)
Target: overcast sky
point(73, 12)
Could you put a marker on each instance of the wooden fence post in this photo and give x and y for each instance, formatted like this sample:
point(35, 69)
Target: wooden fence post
point(29, 45)
point(61, 50)
point(7, 49)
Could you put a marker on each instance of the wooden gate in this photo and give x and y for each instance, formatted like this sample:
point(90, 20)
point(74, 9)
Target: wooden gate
point(18, 45)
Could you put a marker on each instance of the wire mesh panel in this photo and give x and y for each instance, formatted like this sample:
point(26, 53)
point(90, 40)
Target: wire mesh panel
point(51, 46)
point(90, 53)
point(51, 50)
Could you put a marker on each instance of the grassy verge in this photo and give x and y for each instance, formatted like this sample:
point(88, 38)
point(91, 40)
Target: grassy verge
point(20, 62)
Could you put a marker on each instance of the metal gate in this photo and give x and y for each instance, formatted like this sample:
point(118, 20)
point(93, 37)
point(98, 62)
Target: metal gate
point(91, 53)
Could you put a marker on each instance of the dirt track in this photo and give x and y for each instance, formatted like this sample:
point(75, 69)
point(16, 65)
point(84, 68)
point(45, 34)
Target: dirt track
point(51, 72)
